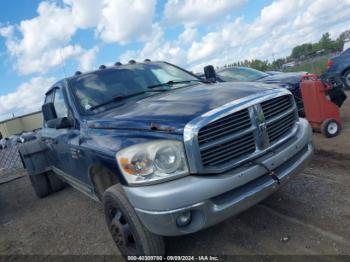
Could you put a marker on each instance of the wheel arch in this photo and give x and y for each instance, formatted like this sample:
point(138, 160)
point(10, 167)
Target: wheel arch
point(102, 178)
point(345, 70)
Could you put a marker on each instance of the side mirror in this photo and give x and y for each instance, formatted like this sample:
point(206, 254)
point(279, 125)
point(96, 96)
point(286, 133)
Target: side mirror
point(60, 123)
point(210, 73)
point(49, 112)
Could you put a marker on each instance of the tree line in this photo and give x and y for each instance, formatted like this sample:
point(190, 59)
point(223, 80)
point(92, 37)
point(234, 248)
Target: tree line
point(299, 53)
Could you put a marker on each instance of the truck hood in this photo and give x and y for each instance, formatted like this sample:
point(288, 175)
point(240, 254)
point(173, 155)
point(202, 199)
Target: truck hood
point(171, 111)
point(283, 78)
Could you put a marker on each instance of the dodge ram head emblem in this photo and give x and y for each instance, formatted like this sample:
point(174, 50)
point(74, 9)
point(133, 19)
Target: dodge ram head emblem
point(262, 127)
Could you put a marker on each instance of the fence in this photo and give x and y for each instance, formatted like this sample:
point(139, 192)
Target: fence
point(10, 159)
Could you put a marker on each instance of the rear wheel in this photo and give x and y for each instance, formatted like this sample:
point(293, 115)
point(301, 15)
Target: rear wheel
point(41, 185)
point(346, 79)
point(56, 184)
point(128, 233)
point(330, 128)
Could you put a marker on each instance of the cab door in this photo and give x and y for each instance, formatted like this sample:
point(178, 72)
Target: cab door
point(67, 156)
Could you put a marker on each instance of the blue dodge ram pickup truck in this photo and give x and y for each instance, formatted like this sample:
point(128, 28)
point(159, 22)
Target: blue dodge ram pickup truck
point(166, 153)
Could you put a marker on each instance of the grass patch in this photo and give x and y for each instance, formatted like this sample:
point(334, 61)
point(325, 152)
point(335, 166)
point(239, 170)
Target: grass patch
point(316, 66)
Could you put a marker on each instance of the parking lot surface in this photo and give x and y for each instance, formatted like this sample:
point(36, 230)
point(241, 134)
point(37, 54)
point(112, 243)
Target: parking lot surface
point(309, 216)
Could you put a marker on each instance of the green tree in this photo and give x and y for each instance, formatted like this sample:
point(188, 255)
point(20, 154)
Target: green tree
point(326, 42)
point(303, 51)
point(344, 36)
point(259, 65)
point(277, 64)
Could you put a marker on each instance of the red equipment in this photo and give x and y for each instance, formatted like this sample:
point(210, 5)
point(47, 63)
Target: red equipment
point(322, 114)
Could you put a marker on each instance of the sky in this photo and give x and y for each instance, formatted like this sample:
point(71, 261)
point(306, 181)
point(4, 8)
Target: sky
point(44, 41)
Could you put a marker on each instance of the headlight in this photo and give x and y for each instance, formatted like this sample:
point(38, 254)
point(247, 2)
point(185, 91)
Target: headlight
point(153, 161)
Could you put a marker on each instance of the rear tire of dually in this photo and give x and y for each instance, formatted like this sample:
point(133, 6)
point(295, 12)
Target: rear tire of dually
point(40, 185)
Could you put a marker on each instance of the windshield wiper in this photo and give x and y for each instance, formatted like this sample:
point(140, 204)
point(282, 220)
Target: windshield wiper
point(173, 82)
point(121, 98)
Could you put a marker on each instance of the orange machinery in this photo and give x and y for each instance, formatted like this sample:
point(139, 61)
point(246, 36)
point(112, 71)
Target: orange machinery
point(322, 113)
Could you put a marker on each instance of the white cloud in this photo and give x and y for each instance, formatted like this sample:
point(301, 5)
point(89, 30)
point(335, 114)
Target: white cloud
point(85, 13)
point(88, 58)
point(210, 44)
point(116, 21)
point(52, 27)
point(44, 42)
point(123, 21)
point(198, 11)
point(279, 27)
point(188, 35)
point(27, 98)
point(50, 58)
point(6, 31)
point(158, 48)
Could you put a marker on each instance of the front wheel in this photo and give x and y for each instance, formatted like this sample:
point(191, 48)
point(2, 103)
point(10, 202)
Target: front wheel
point(128, 233)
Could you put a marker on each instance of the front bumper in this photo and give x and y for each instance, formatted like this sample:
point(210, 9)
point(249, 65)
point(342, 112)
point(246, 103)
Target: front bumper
point(212, 199)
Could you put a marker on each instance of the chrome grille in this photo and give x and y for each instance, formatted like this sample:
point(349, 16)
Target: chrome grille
point(276, 106)
point(226, 139)
point(238, 132)
point(224, 126)
point(280, 117)
point(280, 128)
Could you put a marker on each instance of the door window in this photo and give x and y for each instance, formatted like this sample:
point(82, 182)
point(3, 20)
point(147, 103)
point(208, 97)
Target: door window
point(60, 105)
point(49, 97)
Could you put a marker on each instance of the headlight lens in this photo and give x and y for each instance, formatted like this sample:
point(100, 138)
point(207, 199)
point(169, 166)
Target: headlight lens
point(153, 161)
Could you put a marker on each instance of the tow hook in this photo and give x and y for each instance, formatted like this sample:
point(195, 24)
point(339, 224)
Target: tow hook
point(275, 177)
point(271, 173)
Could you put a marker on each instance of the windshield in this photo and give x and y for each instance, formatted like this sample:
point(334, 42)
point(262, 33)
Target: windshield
point(241, 74)
point(125, 81)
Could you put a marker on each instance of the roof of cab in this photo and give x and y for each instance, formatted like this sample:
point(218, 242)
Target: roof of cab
point(102, 68)
point(117, 65)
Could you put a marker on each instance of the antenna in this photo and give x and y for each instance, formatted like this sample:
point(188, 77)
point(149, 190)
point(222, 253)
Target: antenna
point(64, 64)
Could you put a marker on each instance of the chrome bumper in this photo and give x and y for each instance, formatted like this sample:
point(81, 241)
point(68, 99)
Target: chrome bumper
point(212, 199)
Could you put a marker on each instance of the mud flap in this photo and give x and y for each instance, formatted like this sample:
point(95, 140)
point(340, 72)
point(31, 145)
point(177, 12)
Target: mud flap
point(34, 155)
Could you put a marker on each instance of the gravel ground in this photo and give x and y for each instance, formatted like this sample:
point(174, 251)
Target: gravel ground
point(309, 216)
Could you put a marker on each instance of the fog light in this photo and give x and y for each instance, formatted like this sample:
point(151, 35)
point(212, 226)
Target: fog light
point(184, 219)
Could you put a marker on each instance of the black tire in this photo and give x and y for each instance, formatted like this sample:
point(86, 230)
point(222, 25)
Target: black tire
point(56, 184)
point(41, 185)
point(346, 82)
point(130, 236)
point(330, 128)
